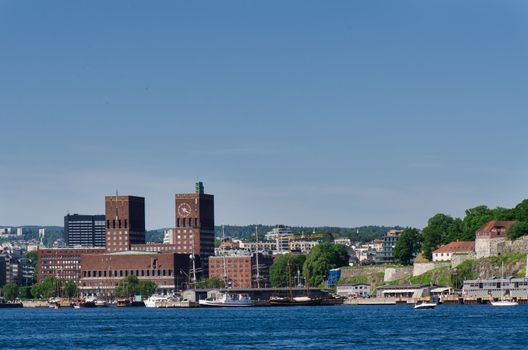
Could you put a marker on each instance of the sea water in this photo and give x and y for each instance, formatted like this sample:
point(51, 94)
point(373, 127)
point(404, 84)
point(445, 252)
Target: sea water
point(324, 327)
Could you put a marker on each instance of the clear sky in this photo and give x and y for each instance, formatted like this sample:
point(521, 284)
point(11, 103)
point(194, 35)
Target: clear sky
point(297, 112)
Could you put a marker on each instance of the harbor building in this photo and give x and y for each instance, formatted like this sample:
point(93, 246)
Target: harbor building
point(353, 290)
point(495, 287)
point(445, 252)
point(84, 230)
point(195, 224)
point(125, 222)
point(100, 273)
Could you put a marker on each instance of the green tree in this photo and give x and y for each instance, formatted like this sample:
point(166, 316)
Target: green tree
point(407, 246)
point(322, 258)
point(520, 212)
point(279, 269)
point(518, 229)
point(25, 292)
point(49, 287)
point(147, 288)
point(70, 289)
point(475, 218)
point(10, 291)
point(127, 287)
point(440, 229)
point(36, 291)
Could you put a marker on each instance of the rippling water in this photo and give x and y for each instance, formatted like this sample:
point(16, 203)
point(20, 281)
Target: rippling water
point(325, 327)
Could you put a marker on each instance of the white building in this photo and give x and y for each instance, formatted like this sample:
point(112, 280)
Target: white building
point(445, 252)
point(353, 290)
point(278, 232)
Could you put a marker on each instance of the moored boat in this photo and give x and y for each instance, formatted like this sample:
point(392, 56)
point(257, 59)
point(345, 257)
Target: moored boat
point(227, 300)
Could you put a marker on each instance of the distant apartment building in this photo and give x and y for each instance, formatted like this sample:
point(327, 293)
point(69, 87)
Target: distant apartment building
point(343, 241)
point(302, 245)
point(20, 231)
point(389, 242)
point(445, 252)
point(84, 230)
point(280, 231)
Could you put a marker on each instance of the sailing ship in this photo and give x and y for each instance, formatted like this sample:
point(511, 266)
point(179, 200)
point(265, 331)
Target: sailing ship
point(227, 298)
point(295, 301)
point(503, 301)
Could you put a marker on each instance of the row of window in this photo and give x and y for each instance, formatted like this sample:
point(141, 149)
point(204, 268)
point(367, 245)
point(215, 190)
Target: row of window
point(112, 223)
point(186, 222)
point(124, 273)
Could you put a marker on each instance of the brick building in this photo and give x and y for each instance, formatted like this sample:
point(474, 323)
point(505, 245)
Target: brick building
point(241, 270)
point(64, 263)
point(125, 222)
point(195, 231)
point(100, 273)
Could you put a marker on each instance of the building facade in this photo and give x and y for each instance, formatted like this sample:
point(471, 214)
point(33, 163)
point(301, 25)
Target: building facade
point(241, 270)
point(85, 230)
point(195, 224)
point(496, 287)
point(125, 222)
point(389, 242)
point(445, 252)
point(63, 263)
point(490, 236)
point(353, 290)
point(101, 273)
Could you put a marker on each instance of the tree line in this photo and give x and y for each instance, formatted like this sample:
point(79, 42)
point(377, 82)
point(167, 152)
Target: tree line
point(442, 229)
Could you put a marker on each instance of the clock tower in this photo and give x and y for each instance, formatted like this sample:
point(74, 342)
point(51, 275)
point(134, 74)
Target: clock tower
point(195, 231)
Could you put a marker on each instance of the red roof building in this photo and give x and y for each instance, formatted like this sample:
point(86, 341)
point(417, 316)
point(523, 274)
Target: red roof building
point(445, 252)
point(494, 229)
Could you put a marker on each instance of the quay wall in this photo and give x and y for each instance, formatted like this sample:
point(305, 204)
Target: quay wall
point(361, 271)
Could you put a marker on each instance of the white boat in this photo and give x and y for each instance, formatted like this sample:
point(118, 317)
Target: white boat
point(426, 305)
point(155, 298)
point(100, 303)
point(503, 301)
point(227, 300)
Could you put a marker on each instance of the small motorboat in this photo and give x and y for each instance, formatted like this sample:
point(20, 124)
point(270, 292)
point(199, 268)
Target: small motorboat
point(425, 305)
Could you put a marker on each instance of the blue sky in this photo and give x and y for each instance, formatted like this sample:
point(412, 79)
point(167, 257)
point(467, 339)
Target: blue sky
point(297, 112)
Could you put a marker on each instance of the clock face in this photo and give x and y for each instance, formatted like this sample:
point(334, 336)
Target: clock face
point(184, 210)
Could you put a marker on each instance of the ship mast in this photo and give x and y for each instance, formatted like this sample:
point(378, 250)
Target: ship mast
point(224, 258)
point(289, 278)
point(257, 257)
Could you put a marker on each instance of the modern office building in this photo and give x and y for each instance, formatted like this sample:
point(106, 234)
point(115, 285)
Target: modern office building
point(125, 222)
point(84, 230)
point(195, 224)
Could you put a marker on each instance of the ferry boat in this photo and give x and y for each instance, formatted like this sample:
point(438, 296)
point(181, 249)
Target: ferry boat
point(155, 298)
point(227, 300)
